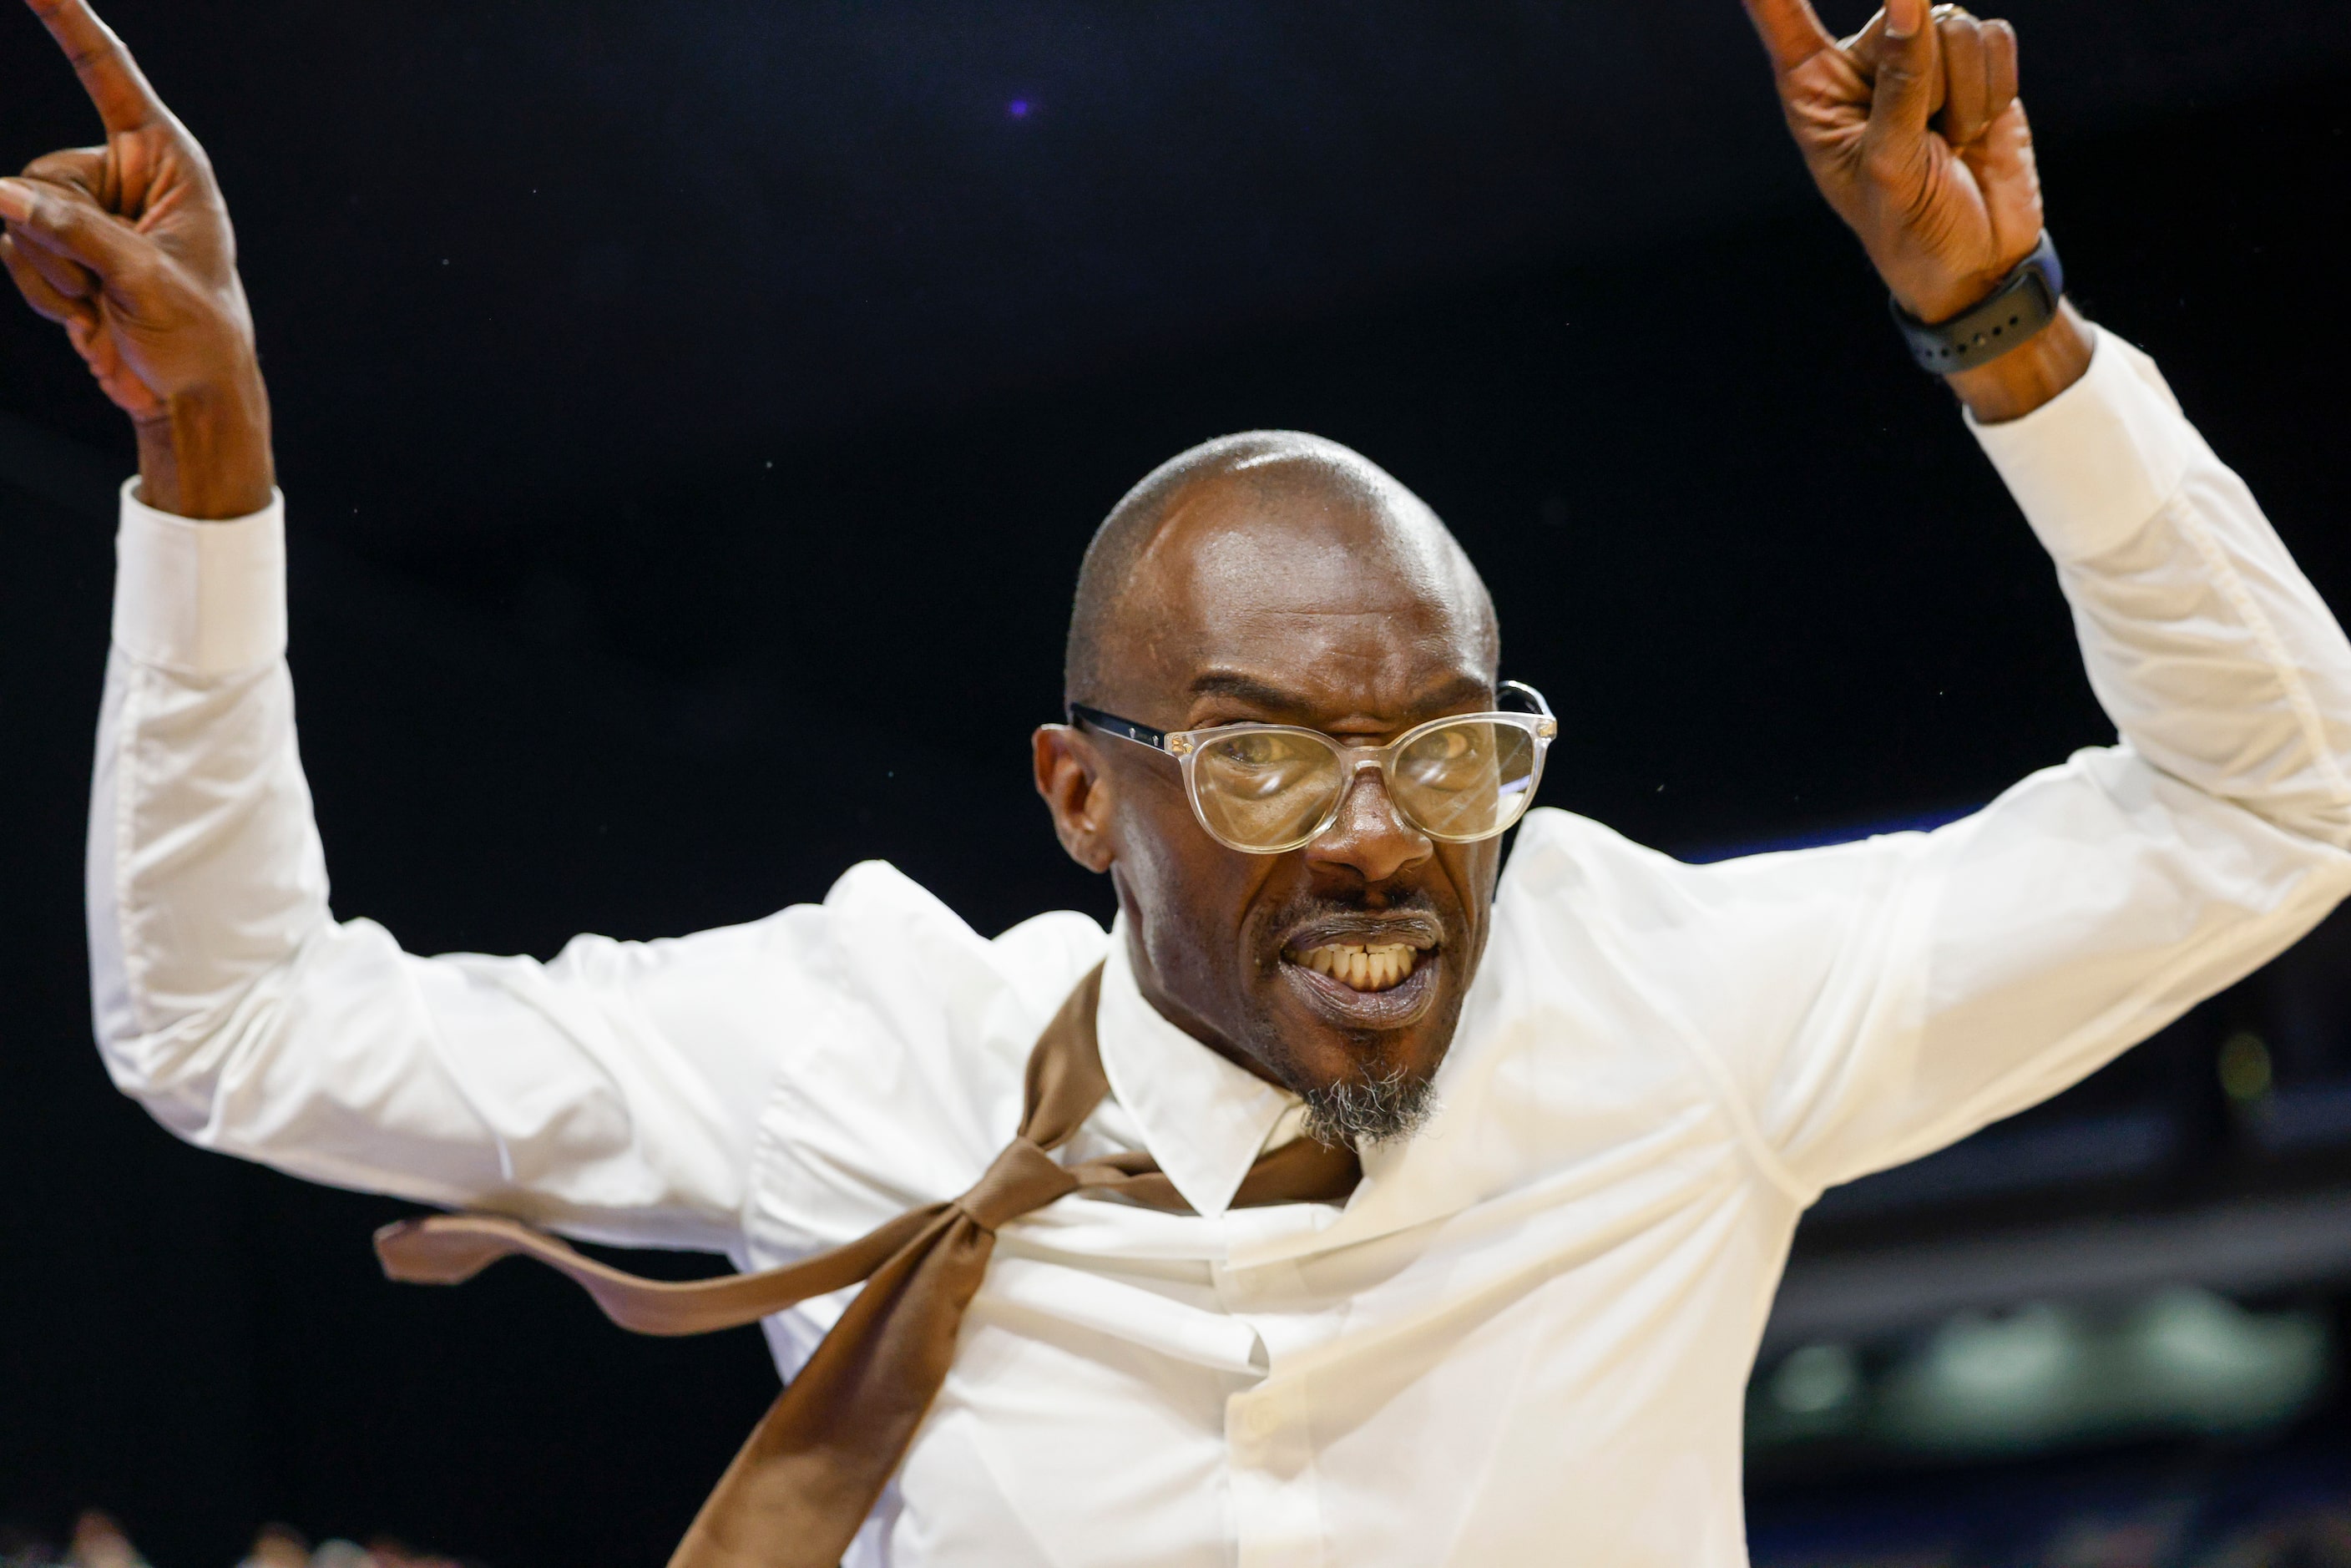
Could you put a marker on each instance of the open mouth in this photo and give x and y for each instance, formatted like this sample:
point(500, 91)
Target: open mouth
point(1374, 972)
point(1362, 967)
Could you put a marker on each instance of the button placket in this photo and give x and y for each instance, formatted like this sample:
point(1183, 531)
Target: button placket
point(1277, 1495)
point(1268, 1429)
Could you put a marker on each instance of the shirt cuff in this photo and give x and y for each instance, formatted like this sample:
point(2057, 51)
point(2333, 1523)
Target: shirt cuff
point(200, 597)
point(2094, 464)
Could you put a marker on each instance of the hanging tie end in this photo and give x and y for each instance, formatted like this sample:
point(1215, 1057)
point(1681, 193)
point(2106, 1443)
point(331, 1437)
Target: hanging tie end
point(443, 1248)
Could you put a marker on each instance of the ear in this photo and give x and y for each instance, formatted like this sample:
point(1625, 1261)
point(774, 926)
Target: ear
point(1070, 776)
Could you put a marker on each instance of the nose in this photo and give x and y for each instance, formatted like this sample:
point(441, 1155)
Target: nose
point(1369, 837)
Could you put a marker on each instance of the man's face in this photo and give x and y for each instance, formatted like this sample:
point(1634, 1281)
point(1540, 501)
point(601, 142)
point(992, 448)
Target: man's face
point(1336, 970)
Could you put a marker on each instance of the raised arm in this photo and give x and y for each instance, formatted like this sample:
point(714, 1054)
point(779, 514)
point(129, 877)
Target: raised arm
point(601, 1092)
point(1874, 1001)
point(2207, 647)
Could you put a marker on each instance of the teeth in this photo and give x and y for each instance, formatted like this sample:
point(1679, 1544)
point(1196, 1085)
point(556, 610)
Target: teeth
point(1363, 968)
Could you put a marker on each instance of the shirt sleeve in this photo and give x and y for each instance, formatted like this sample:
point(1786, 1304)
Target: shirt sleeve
point(1872, 1002)
point(605, 1092)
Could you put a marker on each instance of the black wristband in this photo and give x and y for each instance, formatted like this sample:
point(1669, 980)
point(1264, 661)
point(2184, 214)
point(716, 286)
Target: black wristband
point(2025, 302)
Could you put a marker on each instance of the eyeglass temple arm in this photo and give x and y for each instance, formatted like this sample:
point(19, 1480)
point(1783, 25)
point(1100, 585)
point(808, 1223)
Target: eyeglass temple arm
point(1522, 690)
point(1125, 729)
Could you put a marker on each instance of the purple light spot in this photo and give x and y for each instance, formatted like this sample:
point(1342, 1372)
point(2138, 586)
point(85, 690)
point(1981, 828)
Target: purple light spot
point(1017, 108)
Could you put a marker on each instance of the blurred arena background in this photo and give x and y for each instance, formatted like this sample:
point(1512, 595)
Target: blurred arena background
point(655, 381)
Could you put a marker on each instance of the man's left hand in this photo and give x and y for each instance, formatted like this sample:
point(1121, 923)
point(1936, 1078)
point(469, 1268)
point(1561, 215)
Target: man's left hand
point(1913, 131)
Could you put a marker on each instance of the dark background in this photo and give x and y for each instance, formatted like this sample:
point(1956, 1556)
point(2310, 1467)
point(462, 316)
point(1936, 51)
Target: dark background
point(687, 410)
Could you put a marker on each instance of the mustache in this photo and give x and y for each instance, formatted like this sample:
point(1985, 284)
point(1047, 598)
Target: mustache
point(1315, 921)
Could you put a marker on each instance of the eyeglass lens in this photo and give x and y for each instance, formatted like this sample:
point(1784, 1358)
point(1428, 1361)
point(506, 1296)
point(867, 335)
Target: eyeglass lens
point(1267, 789)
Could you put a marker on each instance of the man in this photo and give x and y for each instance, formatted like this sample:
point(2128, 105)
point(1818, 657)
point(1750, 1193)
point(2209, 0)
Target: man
point(1556, 1126)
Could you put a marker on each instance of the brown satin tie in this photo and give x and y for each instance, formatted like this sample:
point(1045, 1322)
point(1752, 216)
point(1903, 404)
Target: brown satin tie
point(816, 1462)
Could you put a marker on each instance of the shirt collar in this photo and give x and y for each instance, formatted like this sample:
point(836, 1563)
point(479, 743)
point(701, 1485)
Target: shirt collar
point(1202, 1118)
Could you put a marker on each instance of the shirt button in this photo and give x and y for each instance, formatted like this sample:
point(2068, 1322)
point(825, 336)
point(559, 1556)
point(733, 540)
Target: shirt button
point(1261, 1421)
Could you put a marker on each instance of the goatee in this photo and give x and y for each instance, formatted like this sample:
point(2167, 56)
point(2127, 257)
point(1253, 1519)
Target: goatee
point(1377, 1108)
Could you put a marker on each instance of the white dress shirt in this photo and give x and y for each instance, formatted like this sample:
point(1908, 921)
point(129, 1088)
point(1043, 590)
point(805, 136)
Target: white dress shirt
point(1525, 1337)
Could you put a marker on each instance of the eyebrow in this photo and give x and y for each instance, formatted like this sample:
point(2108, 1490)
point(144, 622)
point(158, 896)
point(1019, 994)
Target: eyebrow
point(1246, 689)
point(1264, 695)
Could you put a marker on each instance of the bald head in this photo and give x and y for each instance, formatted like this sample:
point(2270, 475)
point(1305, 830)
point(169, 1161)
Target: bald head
point(1267, 522)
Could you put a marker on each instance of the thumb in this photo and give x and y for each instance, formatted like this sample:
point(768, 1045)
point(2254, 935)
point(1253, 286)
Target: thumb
point(1907, 74)
point(67, 223)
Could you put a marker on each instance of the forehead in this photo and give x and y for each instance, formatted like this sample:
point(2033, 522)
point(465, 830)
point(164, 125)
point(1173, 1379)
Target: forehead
point(1341, 587)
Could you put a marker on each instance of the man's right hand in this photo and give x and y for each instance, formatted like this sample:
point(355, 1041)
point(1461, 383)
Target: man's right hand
point(129, 245)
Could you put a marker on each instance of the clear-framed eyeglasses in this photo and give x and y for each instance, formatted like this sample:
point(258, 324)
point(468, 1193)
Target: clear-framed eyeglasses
point(1268, 788)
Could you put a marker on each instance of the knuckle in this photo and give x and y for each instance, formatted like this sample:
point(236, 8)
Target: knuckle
point(98, 51)
point(1898, 71)
point(60, 215)
point(40, 208)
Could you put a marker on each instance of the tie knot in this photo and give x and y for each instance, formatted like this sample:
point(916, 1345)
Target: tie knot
point(1023, 1179)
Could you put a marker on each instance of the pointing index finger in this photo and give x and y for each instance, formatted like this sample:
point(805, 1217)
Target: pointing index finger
point(108, 73)
point(1791, 30)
